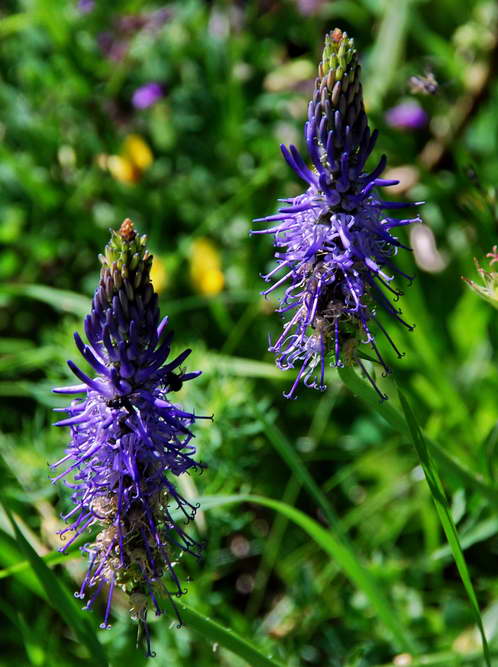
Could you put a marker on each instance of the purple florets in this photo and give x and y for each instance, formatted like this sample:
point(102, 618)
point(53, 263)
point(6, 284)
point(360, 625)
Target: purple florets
point(407, 116)
point(86, 6)
point(129, 440)
point(334, 244)
point(147, 95)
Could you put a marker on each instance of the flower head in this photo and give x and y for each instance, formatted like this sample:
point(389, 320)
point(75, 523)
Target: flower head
point(488, 291)
point(334, 244)
point(129, 440)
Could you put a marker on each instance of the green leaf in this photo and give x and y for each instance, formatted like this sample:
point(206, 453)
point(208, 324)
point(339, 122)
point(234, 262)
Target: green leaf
point(242, 367)
point(216, 634)
point(209, 629)
point(443, 510)
point(60, 599)
point(396, 421)
point(10, 556)
point(64, 300)
point(385, 57)
point(292, 459)
point(52, 558)
point(338, 551)
point(482, 531)
point(370, 586)
point(10, 25)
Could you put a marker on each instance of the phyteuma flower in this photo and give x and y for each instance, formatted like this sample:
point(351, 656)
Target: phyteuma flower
point(334, 244)
point(488, 291)
point(129, 439)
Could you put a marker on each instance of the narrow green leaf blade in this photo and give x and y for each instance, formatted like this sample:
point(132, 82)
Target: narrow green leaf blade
point(63, 300)
point(216, 633)
point(342, 545)
point(292, 459)
point(61, 600)
point(443, 510)
point(386, 54)
point(335, 548)
point(394, 418)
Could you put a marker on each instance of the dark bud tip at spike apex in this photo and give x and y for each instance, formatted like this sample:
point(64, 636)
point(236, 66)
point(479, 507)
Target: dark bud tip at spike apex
point(129, 440)
point(334, 245)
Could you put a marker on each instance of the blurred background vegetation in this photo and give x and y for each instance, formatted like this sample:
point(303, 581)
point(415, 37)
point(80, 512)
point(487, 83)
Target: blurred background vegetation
point(192, 166)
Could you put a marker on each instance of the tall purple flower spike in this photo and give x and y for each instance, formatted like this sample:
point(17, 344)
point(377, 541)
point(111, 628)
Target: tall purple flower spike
point(128, 440)
point(334, 245)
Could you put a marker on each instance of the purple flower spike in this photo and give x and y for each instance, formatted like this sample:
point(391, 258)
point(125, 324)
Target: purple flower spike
point(406, 116)
point(129, 441)
point(147, 95)
point(334, 246)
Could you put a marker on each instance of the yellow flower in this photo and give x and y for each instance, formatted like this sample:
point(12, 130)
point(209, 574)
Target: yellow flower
point(122, 169)
point(158, 274)
point(137, 151)
point(205, 267)
point(135, 157)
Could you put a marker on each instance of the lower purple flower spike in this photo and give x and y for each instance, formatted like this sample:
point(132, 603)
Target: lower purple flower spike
point(129, 441)
point(334, 245)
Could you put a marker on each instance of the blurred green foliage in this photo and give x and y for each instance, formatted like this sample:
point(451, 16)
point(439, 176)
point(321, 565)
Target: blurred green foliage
point(76, 158)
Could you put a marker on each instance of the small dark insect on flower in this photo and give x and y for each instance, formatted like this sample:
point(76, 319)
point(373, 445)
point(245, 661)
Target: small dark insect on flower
point(423, 85)
point(334, 245)
point(129, 441)
point(174, 381)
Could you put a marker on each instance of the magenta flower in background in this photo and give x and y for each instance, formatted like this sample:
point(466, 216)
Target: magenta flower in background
point(406, 116)
point(147, 95)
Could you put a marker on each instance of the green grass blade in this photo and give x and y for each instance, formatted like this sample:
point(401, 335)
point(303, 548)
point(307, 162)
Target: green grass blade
point(443, 510)
point(385, 57)
point(292, 459)
point(52, 558)
point(208, 628)
point(339, 552)
point(242, 367)
point(10, 555)
point(215, 633)
point(394, 418)
point(447, 659)
point(289, 455)
point(482, 531)
point(60, 599)
point(62, 300)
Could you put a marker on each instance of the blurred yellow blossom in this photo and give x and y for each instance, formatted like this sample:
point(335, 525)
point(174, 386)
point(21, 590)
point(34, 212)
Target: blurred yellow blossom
point(137, 151)
point(158, 274)
point(122, 169)
point(135, 157)
point(205, 267)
